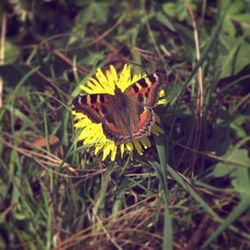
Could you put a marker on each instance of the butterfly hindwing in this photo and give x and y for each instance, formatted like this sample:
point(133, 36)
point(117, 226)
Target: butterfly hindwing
point(145, 122)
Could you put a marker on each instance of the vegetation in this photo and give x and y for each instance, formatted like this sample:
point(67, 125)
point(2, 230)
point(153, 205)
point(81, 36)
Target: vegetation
point(190, 190)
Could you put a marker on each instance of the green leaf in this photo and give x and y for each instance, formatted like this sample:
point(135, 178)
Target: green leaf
point(228, 24)
point(94, 13)
point(169, 9)
point(93, 58)
point(176, 10)
point(229, 166)
point(11, 53)
point(234, 57)
point(238, 125)
point(165, 21)
point(241, 182)
point(241, 179)
point(242, 18)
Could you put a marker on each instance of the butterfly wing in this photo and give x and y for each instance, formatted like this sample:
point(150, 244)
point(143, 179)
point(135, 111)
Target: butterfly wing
point(104, 108)
point(93, 106)
point(146, 90)
point(121, 135)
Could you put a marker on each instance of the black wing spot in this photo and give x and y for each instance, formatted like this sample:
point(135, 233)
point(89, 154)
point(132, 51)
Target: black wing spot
point(93, 98)
point(136, 89)
point(97, 110)
point(143, 83)
point(152, 79)
point(102, 99)
point(82, 99)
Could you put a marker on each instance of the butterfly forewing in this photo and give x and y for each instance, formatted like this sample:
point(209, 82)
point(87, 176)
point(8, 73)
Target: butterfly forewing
point(146, 90)
point(93, 106)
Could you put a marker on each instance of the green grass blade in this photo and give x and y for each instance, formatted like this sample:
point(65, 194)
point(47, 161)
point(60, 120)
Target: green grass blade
point(192, 192)
point(162, 175)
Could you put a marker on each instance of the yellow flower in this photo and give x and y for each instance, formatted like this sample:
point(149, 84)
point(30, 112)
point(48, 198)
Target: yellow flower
point(91, 134)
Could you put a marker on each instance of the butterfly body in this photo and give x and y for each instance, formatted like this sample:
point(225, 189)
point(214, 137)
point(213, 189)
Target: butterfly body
point(125, 116)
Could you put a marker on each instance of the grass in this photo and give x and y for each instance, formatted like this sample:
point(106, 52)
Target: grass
point(190, 190)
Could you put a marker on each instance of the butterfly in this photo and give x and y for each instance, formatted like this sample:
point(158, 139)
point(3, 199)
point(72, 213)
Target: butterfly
point(127, 115)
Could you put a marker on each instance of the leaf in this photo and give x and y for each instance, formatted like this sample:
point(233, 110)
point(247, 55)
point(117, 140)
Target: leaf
point(165, 21)
point(238, 125)
point(230, 166)
point(178, 11)
point(241, 182)
point(93, 58)
point(234, 57)
point(96, 13)
point(11, 53)
point(242, 18)
point(228, 24)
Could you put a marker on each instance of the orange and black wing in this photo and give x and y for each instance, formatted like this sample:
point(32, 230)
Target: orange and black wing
point(146, 90)
point(94, 106)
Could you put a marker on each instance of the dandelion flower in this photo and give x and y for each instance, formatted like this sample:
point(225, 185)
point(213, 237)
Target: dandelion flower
point(116, 112)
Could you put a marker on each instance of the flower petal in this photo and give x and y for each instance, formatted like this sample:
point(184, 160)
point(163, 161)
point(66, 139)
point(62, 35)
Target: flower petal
point(125, 78)
point(102, 79)
point(145, 142)
point(113, 152)
point(138, 147)
point(122, 150)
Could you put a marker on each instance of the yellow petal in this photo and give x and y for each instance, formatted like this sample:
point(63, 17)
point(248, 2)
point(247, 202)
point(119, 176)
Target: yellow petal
point(113, 152)
point(138, 147)
point(136, 77)
point(114, 73)
point(102, 79)
point(106, 151)
point(156, 130)
point(125, 78)
point(129, 146)
point(122, 150)
point(145, 142)
point(98, 148)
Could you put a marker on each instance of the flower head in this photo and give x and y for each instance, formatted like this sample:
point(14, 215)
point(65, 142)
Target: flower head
point(91, 132)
